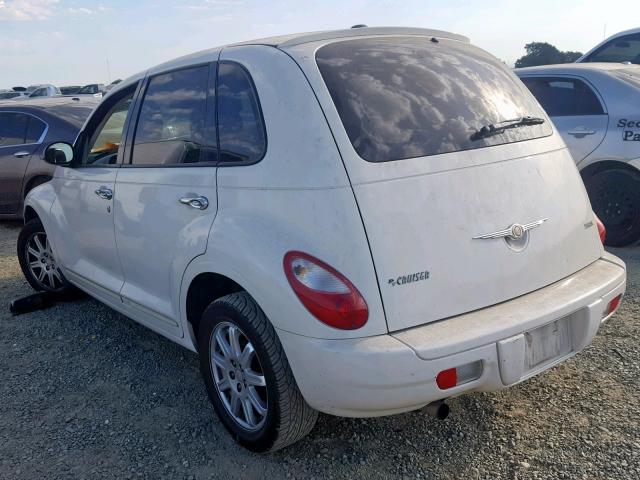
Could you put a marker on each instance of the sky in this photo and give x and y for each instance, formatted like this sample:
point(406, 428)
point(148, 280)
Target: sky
point(69, 42)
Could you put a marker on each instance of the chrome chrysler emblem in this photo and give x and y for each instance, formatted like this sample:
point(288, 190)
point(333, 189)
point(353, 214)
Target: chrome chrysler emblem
point(517, 231)
point(513, 232)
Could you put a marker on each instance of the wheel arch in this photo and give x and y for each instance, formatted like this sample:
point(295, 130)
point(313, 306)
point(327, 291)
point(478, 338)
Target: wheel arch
point(34, 182)
point(603, 165)
point(29, 214)
point(201, 289)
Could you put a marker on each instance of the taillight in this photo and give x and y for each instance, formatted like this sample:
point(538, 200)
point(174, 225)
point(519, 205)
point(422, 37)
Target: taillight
point(601, 230)
point(326, 293)
point(452, 377)
point(447, 378)
point(613, 305)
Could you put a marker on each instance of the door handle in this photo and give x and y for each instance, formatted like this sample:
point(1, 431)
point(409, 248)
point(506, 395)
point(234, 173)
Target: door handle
point(21, 154)
point(198, 202)
point(104, 193)
point(581, 132)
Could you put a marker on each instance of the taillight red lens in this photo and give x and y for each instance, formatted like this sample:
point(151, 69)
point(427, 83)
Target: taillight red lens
point(447, 378)
point(602, 231)
point(326, 293)
point(613, 305)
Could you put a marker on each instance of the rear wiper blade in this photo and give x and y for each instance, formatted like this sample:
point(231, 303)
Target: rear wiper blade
point(499, 127)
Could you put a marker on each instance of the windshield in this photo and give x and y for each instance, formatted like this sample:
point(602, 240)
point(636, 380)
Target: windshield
point(407, 97)
point(88, 89)
point(41, 92)
point(618, 50)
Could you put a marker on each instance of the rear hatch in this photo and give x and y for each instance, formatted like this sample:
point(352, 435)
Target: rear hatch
point(408, 115)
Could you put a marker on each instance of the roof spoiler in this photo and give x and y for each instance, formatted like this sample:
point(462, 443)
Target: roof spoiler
point(362, 31)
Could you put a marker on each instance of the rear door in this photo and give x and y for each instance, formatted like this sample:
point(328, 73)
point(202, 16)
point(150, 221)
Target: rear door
point(165, 200)
point(20, 136)
point(460, 213)
point(576, 110)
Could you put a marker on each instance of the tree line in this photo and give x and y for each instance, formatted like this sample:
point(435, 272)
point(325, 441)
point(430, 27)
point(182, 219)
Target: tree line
point(543, 53)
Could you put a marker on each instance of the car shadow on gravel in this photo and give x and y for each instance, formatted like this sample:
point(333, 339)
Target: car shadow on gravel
point(91, 391)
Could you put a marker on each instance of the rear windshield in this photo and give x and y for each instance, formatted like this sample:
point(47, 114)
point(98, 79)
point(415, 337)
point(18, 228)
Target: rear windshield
point(407, 97)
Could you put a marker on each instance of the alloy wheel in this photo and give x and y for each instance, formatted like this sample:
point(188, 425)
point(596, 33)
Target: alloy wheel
point(42, 264)
point(238, 376)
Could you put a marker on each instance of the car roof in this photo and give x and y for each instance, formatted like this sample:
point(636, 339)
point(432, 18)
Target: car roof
point(577, 68)
point(284, 41)
point(64, 109)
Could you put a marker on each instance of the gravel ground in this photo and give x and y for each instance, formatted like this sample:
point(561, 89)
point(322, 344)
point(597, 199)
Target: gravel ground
point(87, 393)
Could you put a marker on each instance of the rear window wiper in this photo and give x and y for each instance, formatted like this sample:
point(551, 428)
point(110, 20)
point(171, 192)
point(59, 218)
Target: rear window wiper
point(499, 127)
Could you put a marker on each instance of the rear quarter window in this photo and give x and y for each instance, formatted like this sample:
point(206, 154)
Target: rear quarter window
point(564, 96)
point(13, 128)
point(407, 97)
point(240, 125)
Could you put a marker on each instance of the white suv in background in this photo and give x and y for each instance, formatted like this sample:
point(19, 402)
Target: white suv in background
point(358, 222)
point(623, 47)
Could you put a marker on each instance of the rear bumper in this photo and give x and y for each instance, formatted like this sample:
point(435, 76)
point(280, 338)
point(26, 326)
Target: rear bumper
point(394, 373)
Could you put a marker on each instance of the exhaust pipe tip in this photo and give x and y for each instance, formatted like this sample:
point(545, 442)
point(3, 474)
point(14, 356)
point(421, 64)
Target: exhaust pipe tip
point(438, 409)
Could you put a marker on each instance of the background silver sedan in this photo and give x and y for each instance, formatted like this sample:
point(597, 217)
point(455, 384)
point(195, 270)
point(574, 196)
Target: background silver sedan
point(596, 109)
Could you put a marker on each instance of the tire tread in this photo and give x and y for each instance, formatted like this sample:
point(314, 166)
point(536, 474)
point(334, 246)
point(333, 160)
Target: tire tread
point(296, 418)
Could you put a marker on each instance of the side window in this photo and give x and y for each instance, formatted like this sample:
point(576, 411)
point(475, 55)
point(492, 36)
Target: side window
point(561, 96)
point(107, 137)
point(618, 50)
point(240, 127)
point(40, 92)
point(35, 129)
point(13, 128)
point(172, 118)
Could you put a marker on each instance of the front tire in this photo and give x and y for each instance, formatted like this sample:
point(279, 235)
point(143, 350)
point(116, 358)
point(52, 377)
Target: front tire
point(37, 261)
point(615, 198)
point(248, 377)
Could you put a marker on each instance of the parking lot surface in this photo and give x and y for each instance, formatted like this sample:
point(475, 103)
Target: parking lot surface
point(88, 393)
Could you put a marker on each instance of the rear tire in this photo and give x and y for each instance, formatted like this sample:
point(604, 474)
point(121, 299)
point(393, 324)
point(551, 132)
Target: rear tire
point(615, 198)
point(262, 418)
point(37, 261)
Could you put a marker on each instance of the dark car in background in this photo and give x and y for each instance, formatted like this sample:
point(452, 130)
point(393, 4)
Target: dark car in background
point(8, 95)
point(26, 128)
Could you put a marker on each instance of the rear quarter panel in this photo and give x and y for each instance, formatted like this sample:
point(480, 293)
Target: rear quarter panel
point(298, 197)
point(622, 141)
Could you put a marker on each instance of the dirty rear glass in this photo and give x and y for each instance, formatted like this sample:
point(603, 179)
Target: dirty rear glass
point(407, 97)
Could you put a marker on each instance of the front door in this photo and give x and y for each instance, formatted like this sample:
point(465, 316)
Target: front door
point(20, 136)
point(83, 209)
point(165, 199)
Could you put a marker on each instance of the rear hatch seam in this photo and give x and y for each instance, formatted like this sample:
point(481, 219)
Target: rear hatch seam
point(355, 198)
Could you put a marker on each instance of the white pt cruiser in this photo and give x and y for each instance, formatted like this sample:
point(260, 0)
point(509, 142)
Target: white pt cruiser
point(358, 222)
